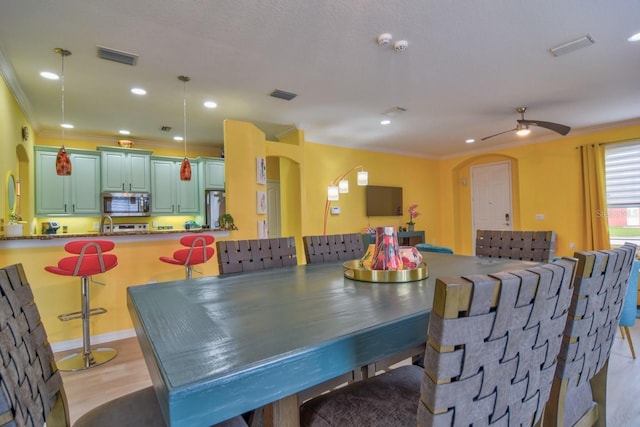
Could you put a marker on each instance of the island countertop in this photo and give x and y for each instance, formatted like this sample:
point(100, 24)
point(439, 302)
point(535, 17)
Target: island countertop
point(126, 236)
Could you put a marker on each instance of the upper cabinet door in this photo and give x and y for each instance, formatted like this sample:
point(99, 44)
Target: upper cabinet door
point(85, 184)
point(52, 190)
point(139, 168)
point(213, 170)
point(125, 170)
point(113, 171)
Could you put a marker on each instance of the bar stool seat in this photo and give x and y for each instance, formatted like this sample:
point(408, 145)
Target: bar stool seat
point(197, 251)
point(90, 259)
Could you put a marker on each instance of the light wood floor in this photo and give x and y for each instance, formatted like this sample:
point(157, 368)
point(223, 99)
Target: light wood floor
point(128, 372)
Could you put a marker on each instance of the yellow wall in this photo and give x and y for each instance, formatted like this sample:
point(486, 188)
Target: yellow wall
point(548, 181)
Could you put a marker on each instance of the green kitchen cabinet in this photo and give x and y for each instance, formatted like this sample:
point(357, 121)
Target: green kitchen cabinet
point(77, 194)
point(125, 169)
point(169, 194)
point(213, 171)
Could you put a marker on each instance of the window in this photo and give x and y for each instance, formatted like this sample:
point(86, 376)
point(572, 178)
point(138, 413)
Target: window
point(622, 174)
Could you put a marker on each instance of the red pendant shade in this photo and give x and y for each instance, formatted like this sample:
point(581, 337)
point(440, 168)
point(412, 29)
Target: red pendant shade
point(63, 163)
point(185, 170)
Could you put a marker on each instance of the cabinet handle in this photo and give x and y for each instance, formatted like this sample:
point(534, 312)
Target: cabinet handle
point(129, 187)
point(173, 208)
point(65, 208)
point(123, 186)
point(73, 208)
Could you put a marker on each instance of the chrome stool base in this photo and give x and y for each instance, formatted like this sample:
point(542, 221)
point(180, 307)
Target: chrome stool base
point(80, 361)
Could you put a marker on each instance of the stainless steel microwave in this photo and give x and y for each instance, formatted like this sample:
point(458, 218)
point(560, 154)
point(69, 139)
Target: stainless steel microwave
point(126, 204)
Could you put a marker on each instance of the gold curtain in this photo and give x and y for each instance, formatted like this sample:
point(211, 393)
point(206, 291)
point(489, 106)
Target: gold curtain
point(595, 199)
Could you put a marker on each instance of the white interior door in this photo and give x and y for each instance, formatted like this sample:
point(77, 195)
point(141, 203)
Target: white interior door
point(491, 197)
point(273, 208)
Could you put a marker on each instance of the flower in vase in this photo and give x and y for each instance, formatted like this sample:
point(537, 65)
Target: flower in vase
point(413, 214)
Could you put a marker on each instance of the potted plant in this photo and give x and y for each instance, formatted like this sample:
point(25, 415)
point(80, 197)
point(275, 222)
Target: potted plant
point(226, 222)
point(14, 227)
point(413, 214)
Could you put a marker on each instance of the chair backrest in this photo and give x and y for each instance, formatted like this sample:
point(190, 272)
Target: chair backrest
point(31, 391)
point(629, 307)
point(333, 247)
point(236, 256)
point(492, 346)
point(91, 258)
point(199, 250)
point(524, 245)
point(600, 286)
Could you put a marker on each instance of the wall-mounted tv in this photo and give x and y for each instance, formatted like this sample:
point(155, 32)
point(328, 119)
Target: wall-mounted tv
point(384, 201)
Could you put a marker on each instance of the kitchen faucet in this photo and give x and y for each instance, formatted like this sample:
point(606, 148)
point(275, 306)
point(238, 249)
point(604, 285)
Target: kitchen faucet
point(105, 217)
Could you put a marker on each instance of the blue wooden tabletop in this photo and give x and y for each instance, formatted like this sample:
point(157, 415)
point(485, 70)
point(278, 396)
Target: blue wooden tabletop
point(220, 346)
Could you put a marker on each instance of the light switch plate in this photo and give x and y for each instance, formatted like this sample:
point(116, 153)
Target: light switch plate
point(335, 210)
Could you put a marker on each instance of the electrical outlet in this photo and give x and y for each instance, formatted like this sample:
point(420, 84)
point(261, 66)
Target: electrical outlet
point(96, 225)
point(572, 246)
point(539, 217)
point(154, 224)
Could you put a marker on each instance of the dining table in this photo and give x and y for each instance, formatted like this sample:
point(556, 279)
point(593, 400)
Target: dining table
point(221, 346)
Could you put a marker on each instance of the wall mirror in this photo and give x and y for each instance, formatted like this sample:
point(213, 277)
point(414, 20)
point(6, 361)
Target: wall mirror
point(11, 193)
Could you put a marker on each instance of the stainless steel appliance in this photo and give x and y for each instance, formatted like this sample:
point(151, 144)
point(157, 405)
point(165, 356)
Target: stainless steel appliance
point(215, 206)
point(124, 228)
point(126, 204)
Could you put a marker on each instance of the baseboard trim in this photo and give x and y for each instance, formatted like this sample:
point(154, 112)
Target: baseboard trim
point(95, 339)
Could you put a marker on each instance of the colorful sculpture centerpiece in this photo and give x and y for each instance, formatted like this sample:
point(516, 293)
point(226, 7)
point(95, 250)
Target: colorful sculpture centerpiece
point(385, 254)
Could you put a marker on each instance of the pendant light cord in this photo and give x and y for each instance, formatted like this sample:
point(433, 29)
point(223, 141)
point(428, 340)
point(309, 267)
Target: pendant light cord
point(184, 113)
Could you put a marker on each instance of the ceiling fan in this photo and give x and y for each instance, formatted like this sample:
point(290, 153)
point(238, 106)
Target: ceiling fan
point(522, 128)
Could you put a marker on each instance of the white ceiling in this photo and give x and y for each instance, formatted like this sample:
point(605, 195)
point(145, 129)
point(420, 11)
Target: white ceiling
point(469, 64)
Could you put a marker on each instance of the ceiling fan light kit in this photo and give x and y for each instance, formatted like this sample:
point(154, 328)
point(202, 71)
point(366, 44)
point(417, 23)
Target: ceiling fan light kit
point(522, 128)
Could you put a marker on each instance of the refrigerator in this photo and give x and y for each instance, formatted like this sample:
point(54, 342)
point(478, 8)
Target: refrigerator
point(215, 206)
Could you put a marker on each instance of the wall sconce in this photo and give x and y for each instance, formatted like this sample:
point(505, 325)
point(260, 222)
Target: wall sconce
point(332, 193)
point(341, 185)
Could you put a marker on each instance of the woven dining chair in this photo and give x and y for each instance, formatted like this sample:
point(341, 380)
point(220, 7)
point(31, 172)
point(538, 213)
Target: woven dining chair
point(31, 389)
point(579, 392)
point(490, 357)
point(333, 247)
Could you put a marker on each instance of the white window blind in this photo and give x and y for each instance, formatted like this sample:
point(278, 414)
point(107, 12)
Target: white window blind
point(622, 166)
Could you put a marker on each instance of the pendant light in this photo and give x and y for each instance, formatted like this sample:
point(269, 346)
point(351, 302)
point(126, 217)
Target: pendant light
point(63, 162)
point(185, 167)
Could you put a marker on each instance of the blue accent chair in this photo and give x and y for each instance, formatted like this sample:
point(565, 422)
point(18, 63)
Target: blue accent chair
point(426, 247)
point(629, 308)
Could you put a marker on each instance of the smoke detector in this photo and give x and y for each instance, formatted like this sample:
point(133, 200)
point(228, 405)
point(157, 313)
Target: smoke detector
point(400, 45)
point(384, 39)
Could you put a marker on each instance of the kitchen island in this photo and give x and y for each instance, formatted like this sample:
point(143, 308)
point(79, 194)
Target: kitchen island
point(138, 263)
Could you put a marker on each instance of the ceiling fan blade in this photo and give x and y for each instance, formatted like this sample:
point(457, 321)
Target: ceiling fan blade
point(556, 127)
point(496, 134)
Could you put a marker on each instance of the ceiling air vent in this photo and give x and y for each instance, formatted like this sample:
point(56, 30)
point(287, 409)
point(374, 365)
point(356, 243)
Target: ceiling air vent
point(572, 45)
point(287, 96)
point(394, 111)
point(117, 56)
point(166, 128)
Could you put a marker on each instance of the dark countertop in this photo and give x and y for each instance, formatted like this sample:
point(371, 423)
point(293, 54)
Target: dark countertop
point(56, 239)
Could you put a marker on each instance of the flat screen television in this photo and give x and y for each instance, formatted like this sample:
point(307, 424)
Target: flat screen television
point(384, 201)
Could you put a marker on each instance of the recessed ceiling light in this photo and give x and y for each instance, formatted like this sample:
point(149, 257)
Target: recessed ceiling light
point(177, 138)
point(210, 104)
point(66, 126)
point(470, 141)
point(385, 122)
point(138, 91)
point(49, 75)
point(124, 132)
point(634, 38)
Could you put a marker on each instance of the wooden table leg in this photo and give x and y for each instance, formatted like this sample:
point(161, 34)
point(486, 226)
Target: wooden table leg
point(283, 413)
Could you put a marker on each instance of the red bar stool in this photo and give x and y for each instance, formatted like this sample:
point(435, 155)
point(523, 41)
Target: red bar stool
point(90, 260)
point(198, 251)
